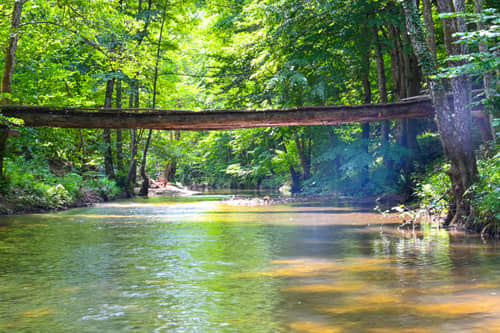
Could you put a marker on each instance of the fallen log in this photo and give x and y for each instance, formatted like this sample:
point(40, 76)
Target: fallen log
point(216, 119)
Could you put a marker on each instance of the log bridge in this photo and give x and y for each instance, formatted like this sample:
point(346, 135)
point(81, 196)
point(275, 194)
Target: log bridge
point(66, 117)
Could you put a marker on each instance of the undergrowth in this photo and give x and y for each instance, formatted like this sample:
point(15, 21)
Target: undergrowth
point(434, 195)
point(31, 185)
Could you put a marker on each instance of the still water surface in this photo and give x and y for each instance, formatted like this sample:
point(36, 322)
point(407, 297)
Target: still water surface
point(197, 265)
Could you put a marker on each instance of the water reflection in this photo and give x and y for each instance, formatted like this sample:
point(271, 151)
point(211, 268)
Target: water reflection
point(202, 266)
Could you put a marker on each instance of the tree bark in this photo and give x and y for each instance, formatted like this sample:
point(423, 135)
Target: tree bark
point(10, 52)
point(108, 154)
point(418, 107)
point(453, 123)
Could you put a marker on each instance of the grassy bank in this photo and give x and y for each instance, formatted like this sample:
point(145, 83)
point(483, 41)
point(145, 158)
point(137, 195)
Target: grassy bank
point(37, 186)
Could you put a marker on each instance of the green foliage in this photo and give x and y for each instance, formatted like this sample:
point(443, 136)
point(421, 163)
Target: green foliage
point(32, 183)
point(486, 196)
point(433, 192)
point(433, 189)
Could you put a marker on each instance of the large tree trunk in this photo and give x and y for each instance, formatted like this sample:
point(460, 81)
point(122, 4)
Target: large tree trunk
point(463, 171)
point(10, 52)
point(453, 123)
point(119, 144)
point(108, 154)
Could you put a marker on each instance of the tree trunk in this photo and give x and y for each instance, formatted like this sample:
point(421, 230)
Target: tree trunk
point(10, 52)
point(83, 146)
point(170, 170)
point(365, 127)
point(304, 150)
point(395, 64)
point(429, 25)
point(108, 154)
point(382, 91)
point(453, 123)
point(338, 158)
point(145, 180)
point(132, 170)
point(400, 70)
point(171, 167)
point(4, 134)
point(119, 144)
point(296, 182)
point(463, 171)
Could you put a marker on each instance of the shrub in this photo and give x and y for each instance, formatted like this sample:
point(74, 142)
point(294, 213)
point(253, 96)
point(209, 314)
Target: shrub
point(486, 196)
point(433, 192)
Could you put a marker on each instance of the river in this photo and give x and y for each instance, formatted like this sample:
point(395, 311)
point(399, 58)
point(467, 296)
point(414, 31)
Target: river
point(198, 265)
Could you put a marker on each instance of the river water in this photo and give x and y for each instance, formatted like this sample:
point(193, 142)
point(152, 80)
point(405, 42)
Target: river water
point(198, 265)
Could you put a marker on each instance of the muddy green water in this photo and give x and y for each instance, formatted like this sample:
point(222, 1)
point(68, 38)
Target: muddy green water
point(202, 266)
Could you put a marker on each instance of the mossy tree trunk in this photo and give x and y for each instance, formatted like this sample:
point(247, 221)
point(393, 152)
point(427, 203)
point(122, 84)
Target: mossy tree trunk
point(454, 123)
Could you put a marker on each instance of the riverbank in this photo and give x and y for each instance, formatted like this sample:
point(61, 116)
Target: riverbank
point(17, 206)
point(27, 204)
